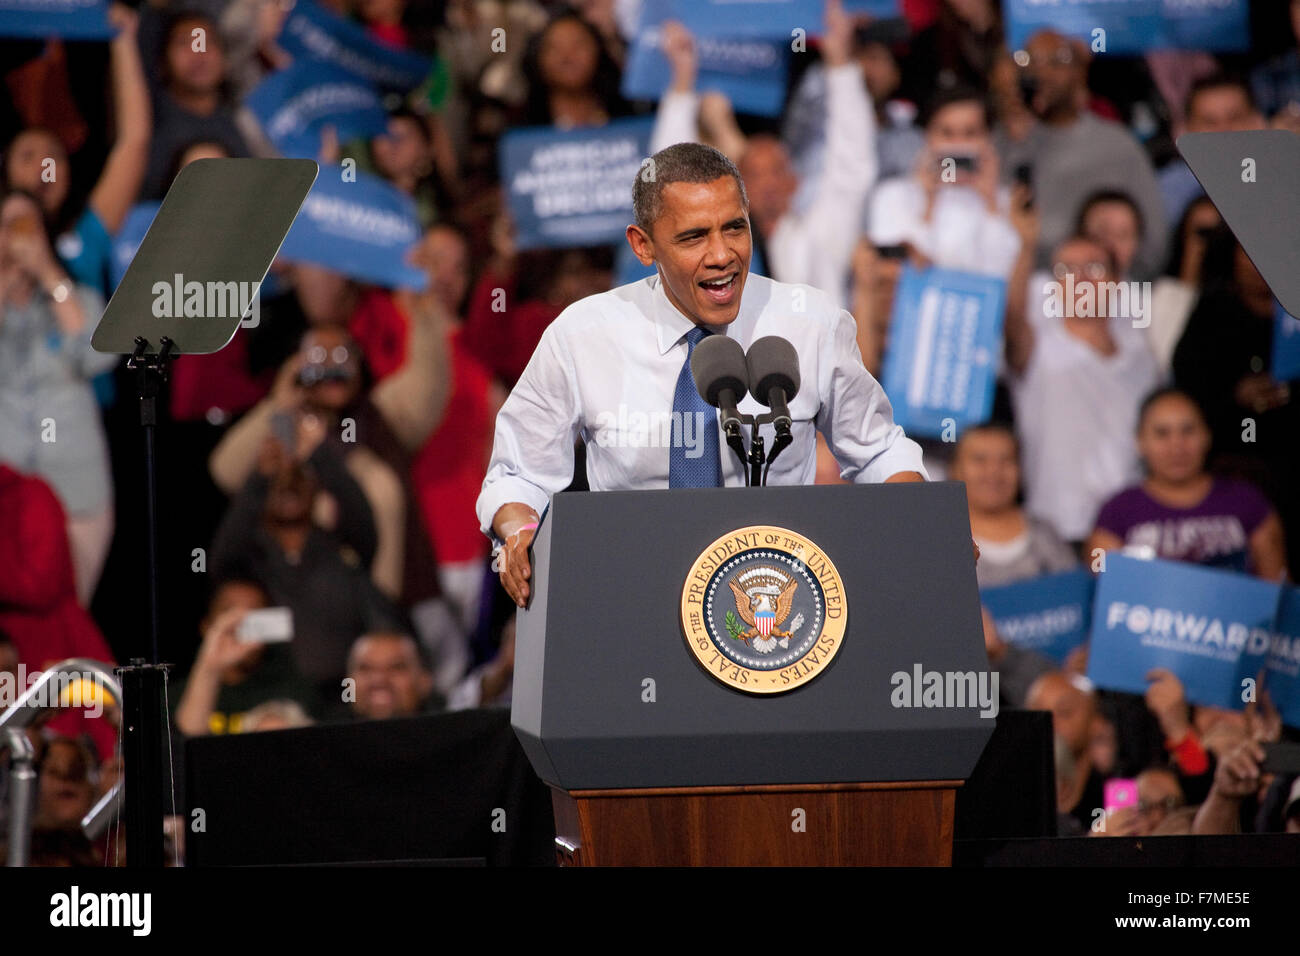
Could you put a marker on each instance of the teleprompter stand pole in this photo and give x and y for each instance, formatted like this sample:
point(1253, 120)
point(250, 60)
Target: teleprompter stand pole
point(143, 693)
point(218, 228)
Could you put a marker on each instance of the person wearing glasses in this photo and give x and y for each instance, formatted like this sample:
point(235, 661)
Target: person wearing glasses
point(1078, 378)
point(1065, 151)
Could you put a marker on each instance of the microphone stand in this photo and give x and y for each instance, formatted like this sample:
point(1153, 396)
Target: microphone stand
point(753, 462)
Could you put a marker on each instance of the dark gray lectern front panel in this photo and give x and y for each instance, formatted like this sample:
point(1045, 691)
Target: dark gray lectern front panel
point(605, 621)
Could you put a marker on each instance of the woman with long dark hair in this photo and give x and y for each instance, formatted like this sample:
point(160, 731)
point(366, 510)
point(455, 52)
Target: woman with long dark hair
point(572, 79)
point(1181, 512)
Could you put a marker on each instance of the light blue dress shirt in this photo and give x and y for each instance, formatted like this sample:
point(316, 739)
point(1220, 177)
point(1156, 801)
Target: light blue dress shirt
point(606, 369)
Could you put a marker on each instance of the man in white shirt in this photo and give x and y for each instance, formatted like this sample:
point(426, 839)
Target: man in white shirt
point(614, 368)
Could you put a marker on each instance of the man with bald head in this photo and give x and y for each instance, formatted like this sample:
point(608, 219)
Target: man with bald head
point(1073, 153)
point(1079, 787)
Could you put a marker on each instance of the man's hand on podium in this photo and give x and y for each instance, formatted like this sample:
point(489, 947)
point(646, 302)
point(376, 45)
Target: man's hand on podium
point(515, 524)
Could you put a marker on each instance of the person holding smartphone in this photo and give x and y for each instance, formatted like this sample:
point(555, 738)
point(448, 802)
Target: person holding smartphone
point(952, 209)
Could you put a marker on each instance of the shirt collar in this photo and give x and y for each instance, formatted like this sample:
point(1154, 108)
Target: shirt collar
point(670, 324)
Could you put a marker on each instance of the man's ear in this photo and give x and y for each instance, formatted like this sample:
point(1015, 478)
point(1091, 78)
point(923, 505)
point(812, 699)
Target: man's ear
point(643, 246)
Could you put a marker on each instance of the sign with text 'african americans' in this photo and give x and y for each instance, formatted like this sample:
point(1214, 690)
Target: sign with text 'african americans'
point(572, 187)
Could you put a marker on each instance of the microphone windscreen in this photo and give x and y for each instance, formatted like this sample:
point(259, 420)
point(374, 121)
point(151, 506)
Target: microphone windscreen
point(719, 363)
point(773, 363)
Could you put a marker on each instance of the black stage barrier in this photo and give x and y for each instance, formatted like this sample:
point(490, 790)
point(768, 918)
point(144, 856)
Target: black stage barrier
point(1012, 790)
point(438, 789)
point(1241, 850)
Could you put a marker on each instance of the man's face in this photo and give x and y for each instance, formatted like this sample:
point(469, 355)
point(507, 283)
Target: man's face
point(1087, 262)
point(1072, 710)
point(958, 130)
point(389, 679)
point(880, 71)
point(701, 242)
point(195, 67)
point(1222, 109)
point(986, 462)
point(1056, 69)
point(442, 253)
point(66, 793)
point(770, 180)
point(1158, 793)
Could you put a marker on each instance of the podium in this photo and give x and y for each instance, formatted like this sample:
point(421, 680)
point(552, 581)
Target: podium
point(843, 745)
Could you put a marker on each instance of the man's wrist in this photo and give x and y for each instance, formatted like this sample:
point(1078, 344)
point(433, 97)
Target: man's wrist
point(511, 518)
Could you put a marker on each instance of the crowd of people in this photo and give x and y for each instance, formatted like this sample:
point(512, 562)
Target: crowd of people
point(327, 461)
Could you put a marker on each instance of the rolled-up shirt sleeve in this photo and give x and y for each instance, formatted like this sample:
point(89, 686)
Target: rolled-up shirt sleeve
point(532, 450)
point(856, 416)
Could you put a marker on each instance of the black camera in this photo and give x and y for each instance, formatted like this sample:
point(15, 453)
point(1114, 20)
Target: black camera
point(318, 374)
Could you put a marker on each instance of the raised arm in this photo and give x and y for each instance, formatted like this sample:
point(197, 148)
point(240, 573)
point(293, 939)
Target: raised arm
point(124, 170)
point(1019, 333)
point(851, 167)
point(678, 111)
point(414, 398)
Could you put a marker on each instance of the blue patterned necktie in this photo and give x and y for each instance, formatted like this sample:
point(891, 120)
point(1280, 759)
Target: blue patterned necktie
point(705, 469)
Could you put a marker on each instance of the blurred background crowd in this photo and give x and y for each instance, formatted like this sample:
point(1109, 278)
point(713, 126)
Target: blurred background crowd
point(328, 459)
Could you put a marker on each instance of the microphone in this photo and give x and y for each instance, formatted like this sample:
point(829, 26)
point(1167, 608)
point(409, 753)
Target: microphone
point(721, 376)
point(774, 377)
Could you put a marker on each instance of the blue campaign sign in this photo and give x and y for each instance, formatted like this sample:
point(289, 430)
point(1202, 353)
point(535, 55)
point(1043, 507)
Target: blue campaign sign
point(363, 229)
point(1049, 614)
point(773, 19)
point(1211, 628)
point(751, 72)
point(941, 361)
point(127, 241)
point(1133, 26)
point(1283, 678)
point(294, 104)
point(1206, 24)
point(1285, 364)
point(572, 187)
point(313, 32)
point(66, 19)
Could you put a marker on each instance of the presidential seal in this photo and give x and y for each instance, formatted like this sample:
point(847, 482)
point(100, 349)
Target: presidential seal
point(763, 610)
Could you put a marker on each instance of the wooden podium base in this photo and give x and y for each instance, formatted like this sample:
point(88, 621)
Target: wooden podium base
point(843, 824)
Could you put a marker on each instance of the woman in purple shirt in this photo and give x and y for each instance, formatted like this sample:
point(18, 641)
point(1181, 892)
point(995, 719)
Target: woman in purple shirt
point(1181, 512)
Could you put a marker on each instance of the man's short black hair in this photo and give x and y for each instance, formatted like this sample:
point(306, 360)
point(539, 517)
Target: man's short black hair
point(1107, 196)
point(680, 163)
point(951, 96)
point(1217, 80)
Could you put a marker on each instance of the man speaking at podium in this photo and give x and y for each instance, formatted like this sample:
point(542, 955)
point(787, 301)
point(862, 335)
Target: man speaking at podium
point(615, 369)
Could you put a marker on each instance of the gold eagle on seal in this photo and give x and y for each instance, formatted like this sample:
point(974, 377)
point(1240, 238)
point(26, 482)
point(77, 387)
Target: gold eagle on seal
point(764, 596)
